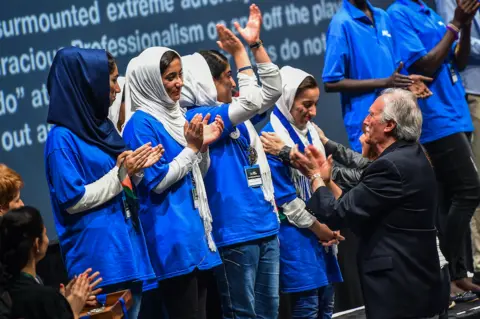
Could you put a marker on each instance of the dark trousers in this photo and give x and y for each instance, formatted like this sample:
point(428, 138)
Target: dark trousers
point(185, 297)
point(457, 176)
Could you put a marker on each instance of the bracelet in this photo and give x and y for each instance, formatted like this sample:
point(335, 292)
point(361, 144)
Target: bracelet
point(314, 177)
point(454, 27)
point(249, 67)
point(256, 45)
point(454, 30)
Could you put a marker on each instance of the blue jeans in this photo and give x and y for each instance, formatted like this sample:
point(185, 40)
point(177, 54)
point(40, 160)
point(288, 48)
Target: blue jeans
point(313, 304)
point(248, 279)
point(135, 289)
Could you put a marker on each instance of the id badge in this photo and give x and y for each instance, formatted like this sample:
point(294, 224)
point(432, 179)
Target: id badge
point(453, 74)
point(128, 213)
point(195, 197)
point(254, 176)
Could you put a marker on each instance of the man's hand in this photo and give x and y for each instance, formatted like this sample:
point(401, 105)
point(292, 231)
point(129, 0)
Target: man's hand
point(272, 143)
point(418, 87)
point(397, 80)
point(320, 133)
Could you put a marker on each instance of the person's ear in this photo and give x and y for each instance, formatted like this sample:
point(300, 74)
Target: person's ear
point(391, 125)
point(36, 246)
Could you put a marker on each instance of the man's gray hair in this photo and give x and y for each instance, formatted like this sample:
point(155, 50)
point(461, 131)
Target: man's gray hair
point(402, 108)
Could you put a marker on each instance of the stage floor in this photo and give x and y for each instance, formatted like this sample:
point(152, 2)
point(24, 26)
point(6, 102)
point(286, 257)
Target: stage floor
point(470, 310)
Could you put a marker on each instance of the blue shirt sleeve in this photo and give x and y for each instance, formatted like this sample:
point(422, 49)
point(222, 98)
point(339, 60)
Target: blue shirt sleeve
point(221, 110)
point(137, 134)
point(411, 48)
point(336, 54)
point(285, 191)
point(64, 169)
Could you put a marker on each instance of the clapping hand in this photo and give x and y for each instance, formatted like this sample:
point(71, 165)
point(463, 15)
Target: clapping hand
point(212, 131)
point(93, 281)
point(193, 132)
point(251, 32)
point(227, 41)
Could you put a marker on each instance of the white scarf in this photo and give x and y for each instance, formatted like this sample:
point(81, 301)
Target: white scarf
point(199, 89)
point(145, 91)
point(291, 79)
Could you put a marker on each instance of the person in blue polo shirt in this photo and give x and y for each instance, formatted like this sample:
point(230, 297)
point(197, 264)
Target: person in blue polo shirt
point(361, 60)
point(307, 269)
point(86, 164)
point(238, 182)
point(429, 47)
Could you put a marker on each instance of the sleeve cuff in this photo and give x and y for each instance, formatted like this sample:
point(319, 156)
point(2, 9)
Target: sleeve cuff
point(331, 147)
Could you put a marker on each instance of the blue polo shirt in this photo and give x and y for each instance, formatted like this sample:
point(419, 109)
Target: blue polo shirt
point(240, 213)
point(420, 29)
point(103, 237)
point(304, 262)
point(360, 50)
point(174, 231)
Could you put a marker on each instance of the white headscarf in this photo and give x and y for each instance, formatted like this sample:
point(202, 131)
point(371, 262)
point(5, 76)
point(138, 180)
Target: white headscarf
point(198, 86)
point(114, 110)
point(199, 89)
point(145, 91)
point(291, 80)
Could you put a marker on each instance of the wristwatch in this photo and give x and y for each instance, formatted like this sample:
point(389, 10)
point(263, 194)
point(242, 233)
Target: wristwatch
point(284, 154)
point(256, 45)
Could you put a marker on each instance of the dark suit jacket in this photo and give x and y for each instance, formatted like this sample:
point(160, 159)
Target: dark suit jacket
point(392, 211)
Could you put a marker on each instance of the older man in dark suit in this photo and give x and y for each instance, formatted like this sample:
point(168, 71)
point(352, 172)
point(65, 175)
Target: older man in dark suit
point(392, 210)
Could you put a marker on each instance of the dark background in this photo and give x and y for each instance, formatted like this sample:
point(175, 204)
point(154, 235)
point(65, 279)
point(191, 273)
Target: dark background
point(28, 160)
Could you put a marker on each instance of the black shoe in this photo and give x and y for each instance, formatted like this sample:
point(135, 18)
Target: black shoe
point(464, 297)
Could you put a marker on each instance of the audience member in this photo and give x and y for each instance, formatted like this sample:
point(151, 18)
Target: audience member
point(23, 243)
point(11, 184)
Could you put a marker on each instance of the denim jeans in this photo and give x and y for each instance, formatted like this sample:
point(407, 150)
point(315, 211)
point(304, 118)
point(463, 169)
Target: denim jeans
point(313, 304)
point(248, 279)
point(135, 289)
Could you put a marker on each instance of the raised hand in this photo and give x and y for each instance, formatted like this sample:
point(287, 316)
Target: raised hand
point(397, 80)
point(251, 32)
point(272, 143)
point(227, 41)
point(194, 133)
point(212, 131)
point(464, 12)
